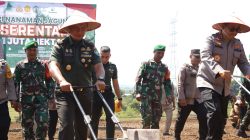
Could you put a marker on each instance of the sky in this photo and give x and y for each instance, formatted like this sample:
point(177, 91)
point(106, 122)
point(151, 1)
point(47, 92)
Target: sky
point(133, 27)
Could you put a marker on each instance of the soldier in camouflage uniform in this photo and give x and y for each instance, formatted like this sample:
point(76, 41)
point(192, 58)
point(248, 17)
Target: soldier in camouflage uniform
point(30, 73)
point(7, 93)
point(149, 83)
point(244, 96)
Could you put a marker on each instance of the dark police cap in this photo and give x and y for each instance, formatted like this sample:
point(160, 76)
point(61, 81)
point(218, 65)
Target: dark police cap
point(159, 47)
point(195, 52)
point(30, 44)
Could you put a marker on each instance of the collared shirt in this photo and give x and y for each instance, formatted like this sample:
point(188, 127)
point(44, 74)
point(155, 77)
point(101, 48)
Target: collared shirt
point(150, 79)
point(32, 78)
point(110, 74)
point(7, 87)
point(221, 55)
point(76, 60)
point(186, 84)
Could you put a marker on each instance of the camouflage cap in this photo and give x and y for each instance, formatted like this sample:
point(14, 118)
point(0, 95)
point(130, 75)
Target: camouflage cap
point(30, 44)
point(159, 47)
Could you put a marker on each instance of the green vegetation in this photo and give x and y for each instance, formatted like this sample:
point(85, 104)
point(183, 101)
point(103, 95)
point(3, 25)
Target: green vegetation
point(130, 109)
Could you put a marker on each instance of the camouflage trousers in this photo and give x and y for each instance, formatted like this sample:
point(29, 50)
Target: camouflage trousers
point(34, 107)
point(151, 113)
point(246, 119)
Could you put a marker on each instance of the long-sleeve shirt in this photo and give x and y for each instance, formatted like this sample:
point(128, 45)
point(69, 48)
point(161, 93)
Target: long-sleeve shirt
point(219, 55)
point(7, 87)
point(186, 84)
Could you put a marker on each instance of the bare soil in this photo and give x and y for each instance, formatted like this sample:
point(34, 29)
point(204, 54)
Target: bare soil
point(190, 131)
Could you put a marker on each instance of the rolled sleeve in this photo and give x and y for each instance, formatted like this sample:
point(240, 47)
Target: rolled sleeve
point(115, 75)
point(56, 54)
point(95, 57)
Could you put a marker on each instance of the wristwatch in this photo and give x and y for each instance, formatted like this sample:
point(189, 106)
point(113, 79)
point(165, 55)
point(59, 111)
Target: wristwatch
point(101, 79)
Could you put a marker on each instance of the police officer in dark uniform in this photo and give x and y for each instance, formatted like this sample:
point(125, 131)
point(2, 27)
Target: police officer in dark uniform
point(189, 98)
point(72, 63)
point(110, 74)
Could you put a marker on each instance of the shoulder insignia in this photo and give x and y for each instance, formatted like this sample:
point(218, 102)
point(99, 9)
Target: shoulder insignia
point(59, 41)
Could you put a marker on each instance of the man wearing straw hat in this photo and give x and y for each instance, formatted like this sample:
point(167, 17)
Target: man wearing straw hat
point(218, 60)
point(244, 96)
point(72, 61)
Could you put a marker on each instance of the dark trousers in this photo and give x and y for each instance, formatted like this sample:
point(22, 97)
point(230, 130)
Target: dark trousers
point(183, 113)
point(53, 117)
point(72, 126)
point(216, 106)
point(4, 121)
point(97, 112)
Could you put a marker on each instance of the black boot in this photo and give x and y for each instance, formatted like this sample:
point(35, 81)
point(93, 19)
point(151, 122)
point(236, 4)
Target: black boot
point(241, 133)
point(177, 137)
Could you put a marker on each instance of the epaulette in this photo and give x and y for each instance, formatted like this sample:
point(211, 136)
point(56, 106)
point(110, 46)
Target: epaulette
point(88, 43)
point(2, 61)
point(59, 41)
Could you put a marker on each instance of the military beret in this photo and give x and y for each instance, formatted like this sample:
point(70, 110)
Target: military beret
point(30, 44)
point(159, 48)
point(195, 52)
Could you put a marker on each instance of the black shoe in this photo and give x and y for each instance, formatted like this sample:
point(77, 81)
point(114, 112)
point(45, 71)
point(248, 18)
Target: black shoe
point(242, 134)
point(234, 125)
point(177, 137)
point(166, 134)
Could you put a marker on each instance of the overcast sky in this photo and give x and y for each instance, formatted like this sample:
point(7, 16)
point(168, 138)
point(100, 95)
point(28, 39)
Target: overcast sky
point(133, 27)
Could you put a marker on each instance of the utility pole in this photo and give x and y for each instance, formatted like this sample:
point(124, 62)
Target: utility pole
point(173, 45)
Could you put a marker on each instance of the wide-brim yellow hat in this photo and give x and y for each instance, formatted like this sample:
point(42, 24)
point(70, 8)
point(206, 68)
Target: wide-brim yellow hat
point(80, 19)
point(243, 28)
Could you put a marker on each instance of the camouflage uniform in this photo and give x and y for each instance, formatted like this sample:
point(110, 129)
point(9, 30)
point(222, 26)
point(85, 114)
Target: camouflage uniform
point(34, 97)
point(7, 92)
point(245, 97)
point(149, 84)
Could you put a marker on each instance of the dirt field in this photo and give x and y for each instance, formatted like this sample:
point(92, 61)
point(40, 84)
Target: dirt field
point(189, 132)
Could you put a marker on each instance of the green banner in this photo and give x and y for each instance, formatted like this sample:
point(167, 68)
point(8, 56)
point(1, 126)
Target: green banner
point(38, 21)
